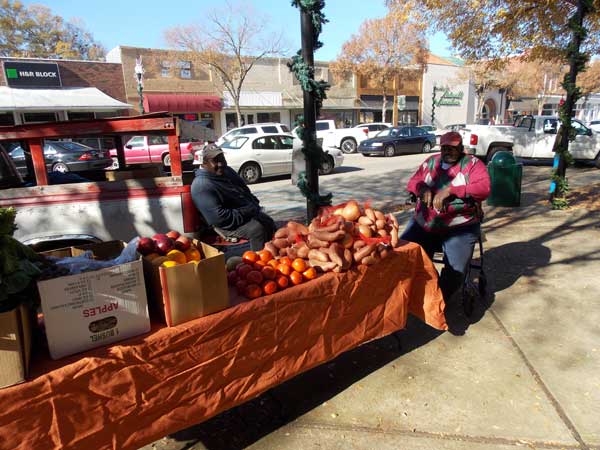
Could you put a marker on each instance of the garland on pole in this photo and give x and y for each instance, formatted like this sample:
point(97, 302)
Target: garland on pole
point(305, 75)
point(577, 60)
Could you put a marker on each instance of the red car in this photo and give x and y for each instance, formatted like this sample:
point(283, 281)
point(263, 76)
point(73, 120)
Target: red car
point(152, 149)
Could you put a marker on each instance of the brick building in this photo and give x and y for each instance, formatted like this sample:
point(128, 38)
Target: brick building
point(40, 90)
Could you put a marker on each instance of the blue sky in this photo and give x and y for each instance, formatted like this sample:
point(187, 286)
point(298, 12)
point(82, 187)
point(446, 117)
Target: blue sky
point(141, 23)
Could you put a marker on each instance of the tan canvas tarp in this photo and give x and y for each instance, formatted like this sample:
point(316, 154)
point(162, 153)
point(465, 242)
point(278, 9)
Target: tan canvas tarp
point(133, 393)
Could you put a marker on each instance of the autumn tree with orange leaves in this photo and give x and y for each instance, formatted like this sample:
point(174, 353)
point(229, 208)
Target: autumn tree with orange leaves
point(385, 49)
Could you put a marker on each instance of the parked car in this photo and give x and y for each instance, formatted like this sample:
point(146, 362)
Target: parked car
point(397, 140)
point(346, 139)
point(152, 149)
point(374, 127)
point(453, 127)
point(64, 156)
point(266, 127)
point(265, 155)
point(595, 125)
point(428, 128)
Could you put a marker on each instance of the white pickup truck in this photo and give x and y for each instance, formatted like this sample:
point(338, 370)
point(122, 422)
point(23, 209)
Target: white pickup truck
point(346, 139)
point(530, 137)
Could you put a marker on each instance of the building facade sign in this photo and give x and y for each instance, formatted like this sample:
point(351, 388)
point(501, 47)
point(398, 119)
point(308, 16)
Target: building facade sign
point(31, 75)
point(450, 98)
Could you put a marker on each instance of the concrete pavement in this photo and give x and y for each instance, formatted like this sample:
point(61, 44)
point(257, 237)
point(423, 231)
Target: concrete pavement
point(524, 374)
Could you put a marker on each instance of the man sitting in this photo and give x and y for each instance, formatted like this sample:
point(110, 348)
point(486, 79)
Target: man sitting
point(450, 188)
point(226, 203)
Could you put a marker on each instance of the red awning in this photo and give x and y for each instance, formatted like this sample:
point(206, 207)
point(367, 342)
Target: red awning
point(182, 103)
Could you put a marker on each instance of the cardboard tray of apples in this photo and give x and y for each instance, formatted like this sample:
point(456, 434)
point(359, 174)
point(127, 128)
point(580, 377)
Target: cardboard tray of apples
point(168, 249)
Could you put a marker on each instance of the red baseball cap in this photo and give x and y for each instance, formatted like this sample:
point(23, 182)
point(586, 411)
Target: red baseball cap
point(451, 138)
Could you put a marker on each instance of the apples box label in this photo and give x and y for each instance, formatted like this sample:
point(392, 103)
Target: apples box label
point(94, 308)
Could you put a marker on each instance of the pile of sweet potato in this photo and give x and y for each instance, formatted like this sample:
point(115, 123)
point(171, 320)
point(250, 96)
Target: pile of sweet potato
point(340, 237)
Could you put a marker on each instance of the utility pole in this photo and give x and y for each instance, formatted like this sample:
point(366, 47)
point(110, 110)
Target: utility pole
point(139, 74)
point(312, 169)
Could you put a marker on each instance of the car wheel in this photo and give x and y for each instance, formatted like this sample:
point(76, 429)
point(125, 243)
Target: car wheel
point(166, 160)
point(327, 166)
point(597, 161)
point(115, 163)
point(389, 151)
point(60, 167)
point(250, 173)
point(426, 147)
point(348, 145)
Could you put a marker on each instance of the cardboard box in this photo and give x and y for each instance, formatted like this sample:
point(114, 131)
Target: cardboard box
point(15, 345)
point(94, 308)
point(188, 291)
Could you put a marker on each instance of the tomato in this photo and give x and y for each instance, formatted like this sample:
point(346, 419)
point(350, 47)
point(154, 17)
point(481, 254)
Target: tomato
point(253, 291)
point(310, 273)
point(254, 277)
point(285, 260)
point(242, 270)
point(284, 269)
point(299, 265)
point(269, 287)
point(265, 256)
point(250, 257)
point(296, 278)
point(282, 281)
point(269, 273)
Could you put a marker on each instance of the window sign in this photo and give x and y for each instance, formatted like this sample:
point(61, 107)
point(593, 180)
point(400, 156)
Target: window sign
point(26, 74)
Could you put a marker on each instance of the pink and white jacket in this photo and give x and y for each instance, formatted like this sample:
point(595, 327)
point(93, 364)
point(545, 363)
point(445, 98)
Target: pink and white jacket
point(469, 184)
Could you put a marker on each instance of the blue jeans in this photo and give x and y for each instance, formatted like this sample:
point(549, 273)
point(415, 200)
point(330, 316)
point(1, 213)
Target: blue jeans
point(457, 244)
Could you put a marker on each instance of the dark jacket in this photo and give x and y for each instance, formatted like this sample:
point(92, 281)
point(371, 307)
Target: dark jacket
point(224, 201)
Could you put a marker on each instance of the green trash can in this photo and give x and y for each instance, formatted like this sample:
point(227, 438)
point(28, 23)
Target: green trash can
point(505, 177)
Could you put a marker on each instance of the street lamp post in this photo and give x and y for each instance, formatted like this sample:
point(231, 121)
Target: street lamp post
point(139, 75)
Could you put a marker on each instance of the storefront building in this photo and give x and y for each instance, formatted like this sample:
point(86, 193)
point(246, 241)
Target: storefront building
point(43, 90)
point(173, 81)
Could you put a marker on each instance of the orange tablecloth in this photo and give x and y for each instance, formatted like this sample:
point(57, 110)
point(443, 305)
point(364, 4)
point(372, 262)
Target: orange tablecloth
point(133, 393)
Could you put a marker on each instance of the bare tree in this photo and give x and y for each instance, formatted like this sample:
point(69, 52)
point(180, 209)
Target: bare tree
point(230, 42)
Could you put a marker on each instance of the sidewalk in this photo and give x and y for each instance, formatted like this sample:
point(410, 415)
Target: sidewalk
point(525, 374)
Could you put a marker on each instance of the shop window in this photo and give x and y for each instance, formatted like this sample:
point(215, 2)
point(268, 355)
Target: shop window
point(268, 117)
point(7, 120)
point(81, 115)
point(39, 117)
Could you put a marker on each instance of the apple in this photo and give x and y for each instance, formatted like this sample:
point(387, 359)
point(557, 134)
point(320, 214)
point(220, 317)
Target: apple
point(173, 234)
point(146, 246)
point(164, 245)
point(183, 243)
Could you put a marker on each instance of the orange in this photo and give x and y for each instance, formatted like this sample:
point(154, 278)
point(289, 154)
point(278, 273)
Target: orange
point(265, 256)
point(192, 254)
point(269, 273)
point(285, 260)
point(169, 263)
point(282, 281)
point(310, 273)
point(273, 263)
point(284, 269)
point(296, 277)
point(258, 265)
point(250, 257)
point(177, 256)
point(299, 265)
point(269, 287)
point(253, 291)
